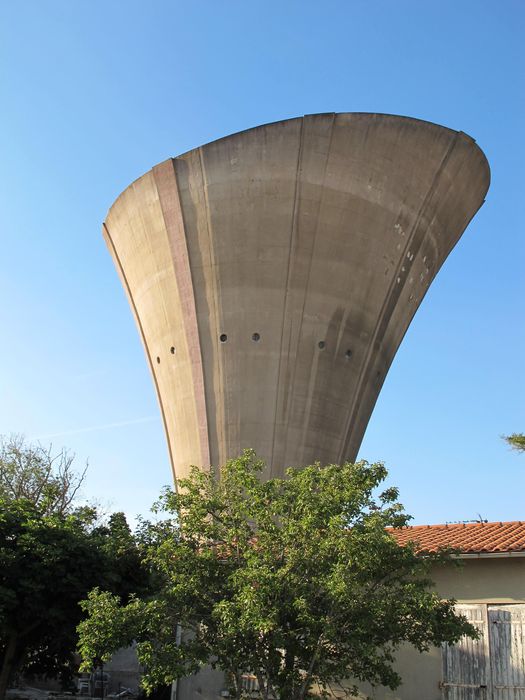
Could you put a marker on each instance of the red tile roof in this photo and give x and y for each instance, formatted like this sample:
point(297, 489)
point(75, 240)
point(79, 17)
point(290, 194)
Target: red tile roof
point(468, 538)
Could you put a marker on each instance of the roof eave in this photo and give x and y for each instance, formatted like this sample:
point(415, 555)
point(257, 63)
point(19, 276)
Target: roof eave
point(488, 555)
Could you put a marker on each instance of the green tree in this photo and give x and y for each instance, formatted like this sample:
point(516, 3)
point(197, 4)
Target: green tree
point(516, 441)
point(52, 553)
point(296, 581)
point(48, 564)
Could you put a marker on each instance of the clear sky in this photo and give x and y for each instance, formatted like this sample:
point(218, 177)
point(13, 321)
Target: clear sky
point(95, 92)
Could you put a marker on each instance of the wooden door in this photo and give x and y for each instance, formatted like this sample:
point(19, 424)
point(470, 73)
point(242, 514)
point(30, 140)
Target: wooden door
point(507, 651)
point(493, 666)
point(466, 672)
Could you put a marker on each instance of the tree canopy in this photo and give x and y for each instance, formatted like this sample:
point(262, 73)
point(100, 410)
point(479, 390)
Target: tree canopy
point(52, 553)
point(516, 441)
point(295, 581)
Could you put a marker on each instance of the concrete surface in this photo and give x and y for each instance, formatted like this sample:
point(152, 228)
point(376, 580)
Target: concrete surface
point(307, 245)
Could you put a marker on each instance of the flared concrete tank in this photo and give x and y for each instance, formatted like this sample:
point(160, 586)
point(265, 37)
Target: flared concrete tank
point(274, 273)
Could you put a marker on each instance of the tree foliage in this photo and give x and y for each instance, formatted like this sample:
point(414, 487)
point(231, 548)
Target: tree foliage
point(296, 581)
point(516, 441)
point(51, 555)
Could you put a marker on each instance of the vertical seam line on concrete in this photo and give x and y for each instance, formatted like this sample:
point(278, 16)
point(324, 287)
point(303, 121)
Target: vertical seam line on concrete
point(287, 291)
point(183, 278)
point(307, 281)
point(347, 435)
point(142, 335)
point(148, 241)
point(220, 419)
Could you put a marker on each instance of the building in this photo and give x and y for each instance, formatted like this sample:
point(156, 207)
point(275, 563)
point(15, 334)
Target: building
point(490, 589)
point(488, 583)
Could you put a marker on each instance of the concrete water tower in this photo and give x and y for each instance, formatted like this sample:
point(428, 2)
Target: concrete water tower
point(274, 273)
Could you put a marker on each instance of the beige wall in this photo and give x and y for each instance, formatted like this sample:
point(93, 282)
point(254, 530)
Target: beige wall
point(483, 580)
point(499, 580)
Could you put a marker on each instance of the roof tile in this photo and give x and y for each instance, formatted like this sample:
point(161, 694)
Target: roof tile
point(468, 538)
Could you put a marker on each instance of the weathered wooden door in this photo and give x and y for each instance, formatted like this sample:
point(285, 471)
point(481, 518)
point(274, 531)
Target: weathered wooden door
point(493, 666)
point(466, 671)
point(507, 651)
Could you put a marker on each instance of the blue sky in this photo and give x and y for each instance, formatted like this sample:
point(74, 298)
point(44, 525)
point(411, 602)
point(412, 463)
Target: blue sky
point(95, 92)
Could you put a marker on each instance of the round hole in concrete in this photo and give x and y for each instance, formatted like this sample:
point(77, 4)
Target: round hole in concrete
point(321, 344)
point(348, 354)
point(172, 350)
point(158, 360)
point(256, 337)
point(223, 337)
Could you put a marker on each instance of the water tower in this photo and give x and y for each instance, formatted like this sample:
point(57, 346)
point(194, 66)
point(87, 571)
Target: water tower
point(273, 274)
